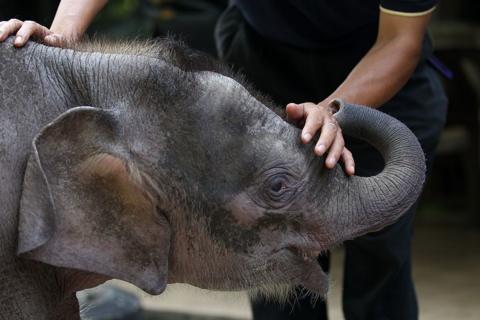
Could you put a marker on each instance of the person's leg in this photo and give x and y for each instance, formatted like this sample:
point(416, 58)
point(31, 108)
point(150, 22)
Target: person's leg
point(378, 280)
point(299, 75)
point(377, 274)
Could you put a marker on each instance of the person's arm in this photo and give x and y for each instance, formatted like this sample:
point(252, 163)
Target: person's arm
point(70, 23)
point(376, 79)
point(74, 16)
point(388, 64)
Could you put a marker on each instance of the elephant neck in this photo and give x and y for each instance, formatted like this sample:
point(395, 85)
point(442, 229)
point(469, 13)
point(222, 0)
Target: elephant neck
point(67, 309)
point(39, 291)
point(32, 291)
point(69, 282)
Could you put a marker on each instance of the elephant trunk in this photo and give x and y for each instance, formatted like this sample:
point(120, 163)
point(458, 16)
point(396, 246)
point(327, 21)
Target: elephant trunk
point(366, 204)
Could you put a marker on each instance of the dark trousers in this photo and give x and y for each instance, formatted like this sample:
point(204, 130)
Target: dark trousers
point(377, 274)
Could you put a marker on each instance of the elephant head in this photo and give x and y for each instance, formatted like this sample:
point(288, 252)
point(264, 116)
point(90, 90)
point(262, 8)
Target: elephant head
point(204, 185)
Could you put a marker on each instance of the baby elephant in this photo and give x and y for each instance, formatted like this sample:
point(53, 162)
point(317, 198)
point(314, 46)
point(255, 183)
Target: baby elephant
point(147, 164)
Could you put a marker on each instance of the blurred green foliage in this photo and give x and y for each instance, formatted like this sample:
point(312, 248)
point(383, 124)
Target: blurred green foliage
point(193, 21)
point(119, 9)
point(122, 19)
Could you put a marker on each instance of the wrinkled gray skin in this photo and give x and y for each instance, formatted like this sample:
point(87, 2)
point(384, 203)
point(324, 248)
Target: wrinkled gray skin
point(169, 176)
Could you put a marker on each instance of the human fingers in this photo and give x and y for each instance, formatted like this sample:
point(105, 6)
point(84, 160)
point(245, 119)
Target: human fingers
point(8, 28)
point(1, 29)
point(348, 161)
point(295, 112)
point(335, 150)
point(328, 133)
point(314, 118)
point(30, 29)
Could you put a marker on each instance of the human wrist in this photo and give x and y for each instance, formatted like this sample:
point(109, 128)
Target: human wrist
point(74, 16)
point(68, 29)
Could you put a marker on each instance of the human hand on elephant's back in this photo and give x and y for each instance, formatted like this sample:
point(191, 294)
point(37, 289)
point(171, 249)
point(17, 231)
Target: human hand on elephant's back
point(319, 117)
point(25, 30)
point(70, 23)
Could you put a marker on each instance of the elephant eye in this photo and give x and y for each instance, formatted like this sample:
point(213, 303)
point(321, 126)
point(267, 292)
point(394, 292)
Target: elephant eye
point(277, 184)
point(276, 187)
point(278, 190)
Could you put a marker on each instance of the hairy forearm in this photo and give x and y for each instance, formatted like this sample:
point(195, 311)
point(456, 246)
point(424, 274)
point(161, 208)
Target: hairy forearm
point(74, 16)
point(380, 74)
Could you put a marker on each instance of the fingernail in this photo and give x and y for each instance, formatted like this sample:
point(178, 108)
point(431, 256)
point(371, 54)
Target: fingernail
point(320, 149)
point(307, 137)
point(18, 40)
point(331, 161)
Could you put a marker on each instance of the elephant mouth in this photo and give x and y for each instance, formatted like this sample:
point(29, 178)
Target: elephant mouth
point(311, 276)
point(305, 253)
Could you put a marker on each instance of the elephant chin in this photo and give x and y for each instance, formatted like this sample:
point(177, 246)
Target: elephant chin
point(314, 278)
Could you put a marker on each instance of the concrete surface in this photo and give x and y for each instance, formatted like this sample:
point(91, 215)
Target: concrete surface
point(446, 271)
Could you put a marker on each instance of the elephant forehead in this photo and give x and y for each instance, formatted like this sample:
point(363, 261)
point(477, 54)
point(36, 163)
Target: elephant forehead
point(221, 94)
point(227, 103)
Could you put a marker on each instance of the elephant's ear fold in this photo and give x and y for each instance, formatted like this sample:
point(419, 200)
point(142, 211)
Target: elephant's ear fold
point(85, 205)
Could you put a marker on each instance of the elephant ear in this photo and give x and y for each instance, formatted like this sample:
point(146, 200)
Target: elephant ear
point(85, 205)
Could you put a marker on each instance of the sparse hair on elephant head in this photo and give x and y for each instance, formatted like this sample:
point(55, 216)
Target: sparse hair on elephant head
point(178, 54)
